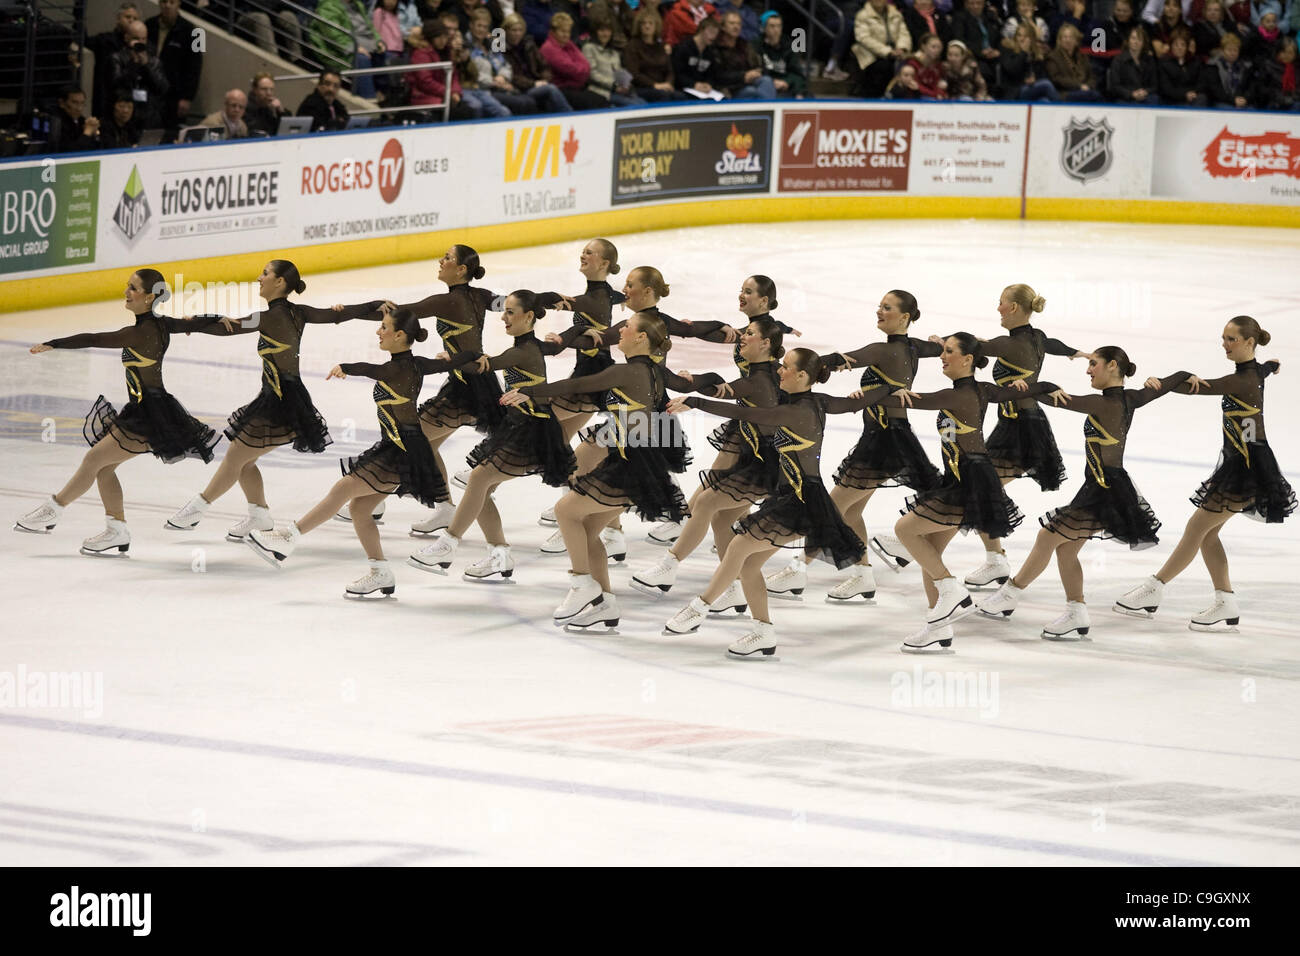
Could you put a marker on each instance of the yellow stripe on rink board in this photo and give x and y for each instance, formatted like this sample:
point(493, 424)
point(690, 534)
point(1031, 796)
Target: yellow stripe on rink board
point(1163, 211)
point(23, 294)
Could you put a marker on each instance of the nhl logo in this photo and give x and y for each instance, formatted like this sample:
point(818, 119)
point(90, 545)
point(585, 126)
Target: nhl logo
point(1085, 149)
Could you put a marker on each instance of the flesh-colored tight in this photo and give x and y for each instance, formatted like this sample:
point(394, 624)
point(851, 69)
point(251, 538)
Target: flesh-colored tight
point(363, 500)
point(99, 467)
point(1201, 535)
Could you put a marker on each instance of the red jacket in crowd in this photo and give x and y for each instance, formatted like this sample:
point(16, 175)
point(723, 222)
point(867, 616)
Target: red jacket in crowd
point(680, 22)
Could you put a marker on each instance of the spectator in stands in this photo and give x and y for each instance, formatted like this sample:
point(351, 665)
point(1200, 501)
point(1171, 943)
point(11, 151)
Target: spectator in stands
point(1069, 69)
point(695, 64)
point(341, 25)
point(171, 37)
point(881, 42)
point(323, 105)
point(1118, 27)
point(119, 130)
point(740, 71)
point(780, 62)
point(618, 14)
point(904, 86)
point(528, 70)
point(537, 15)
point(1277, 83)
point(466, 9)
point(1208, 32)
point(976, 25)
point(429, 43)
point(476, 98)
point(70, 131)
point(608, 79)
point(1162, 31)
point(1228, 80)
point(1132, 76)
point(750, 30)
point(1075, 13)
point(495, 75)
point(683, 18)
point(648, 61)
point(962, 74)
point(1027, 12)
point(387, 20)
point(924, 17)
point(1179, 73)
point(231, 115)
point(1262, 42)
point(569, 68)
point(928, 61)
point(1260, 7)
point(408, 18)
point(137, 69)
point(105, 46)
point(264, 109)
point(1023, 67)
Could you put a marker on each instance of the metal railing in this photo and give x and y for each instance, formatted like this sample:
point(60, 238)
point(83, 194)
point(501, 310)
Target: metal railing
point(444, 65)
point(813, 9)
point(44, 63)
point(244, 20)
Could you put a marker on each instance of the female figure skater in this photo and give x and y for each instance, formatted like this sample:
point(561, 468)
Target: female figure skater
point(970, 496)
point(746, 469)
point(888, 453)
point(1247, 480)
point(401, 462)
point(1107, 506)
point(150, 421)
point(464, 399)
point(801, 507)
point(757, 300)
point(634, 472)
point(282, 412)
point(1022, 443)
point(642, 290)
point(528, 441)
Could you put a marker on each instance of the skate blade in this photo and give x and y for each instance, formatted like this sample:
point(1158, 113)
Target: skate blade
point(379, 594)
point(458, 483)
point(348, 520)
point(994, 615)
point(18, 527)
point(768, 658)
point(662, 542)
point(893, 562)
point(553, 553)
point(868, 597)
point(959, 613)
point(616, 558)
point(795, 595)
point(939, 647)
point(668, 633)
point(547, 524)
point(413, 533)
point(496, 577)
point(1218, 627)
point(430, 568)
point(738, 608)
point(609, 628)
point(235, 539)
point(270, 557)
point(168, 526)
point(117, 551)
point(1138, 612)
point(986, 586)
point(653, 590)
point(1070, 637)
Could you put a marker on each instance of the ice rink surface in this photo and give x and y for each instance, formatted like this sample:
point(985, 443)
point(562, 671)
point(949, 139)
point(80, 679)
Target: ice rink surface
point(249, 716)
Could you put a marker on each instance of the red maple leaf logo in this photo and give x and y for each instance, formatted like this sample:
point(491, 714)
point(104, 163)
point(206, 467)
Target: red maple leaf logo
point(571, 146)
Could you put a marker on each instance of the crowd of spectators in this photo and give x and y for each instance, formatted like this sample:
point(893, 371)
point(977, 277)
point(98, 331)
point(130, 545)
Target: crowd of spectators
point(512, 57)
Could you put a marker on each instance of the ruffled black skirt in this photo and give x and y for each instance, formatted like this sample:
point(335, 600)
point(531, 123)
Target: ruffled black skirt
point(1025, 445)
point(671, 440)
point(976, 502)
point(1117, 511)
point(588, 402)
point(1253, 487)
point(526, 445)
point(814, 518)
point(158, 423)
point(752, 479)
point(473, 400)
point(271, 420)
point(411, 472)
point(727, 439)
point(641, 481)
point(887, 457)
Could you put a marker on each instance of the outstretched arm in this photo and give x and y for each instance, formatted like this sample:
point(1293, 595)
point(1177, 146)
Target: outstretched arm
point(365, 310)
point(835, 405)
point(93, 340)
point(1164, 386)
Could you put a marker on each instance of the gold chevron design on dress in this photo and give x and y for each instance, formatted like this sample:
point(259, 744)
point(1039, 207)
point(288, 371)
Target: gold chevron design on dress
point(1091, 442)
point(951, 450)
point(386, 420)
point(1234, 432)
point(595, 327)
point(621, 410)
point(788, 451)
point(269, 346)
point(517, 377)
point(133, 386)
point(1009, 409)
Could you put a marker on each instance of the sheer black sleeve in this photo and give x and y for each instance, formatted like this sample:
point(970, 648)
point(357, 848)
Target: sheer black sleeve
point(1141, 396)
point(95, 340)
point(315, 316)
point(612, 377)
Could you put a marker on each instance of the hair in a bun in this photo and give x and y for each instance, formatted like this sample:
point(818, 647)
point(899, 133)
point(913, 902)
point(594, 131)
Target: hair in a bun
point(770, 329)
point(609, 253)
point(1113, 353)
point(404, 320)
point(467, 257)
point(767, 289)
point(287, 271)
point(810, 363)
point(1025, 297)
point(906, 303)
point(652, 277)
point(1250, 329)
point(528, 302)
point(154, 283)
point(655, 330)
point(971, 346)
